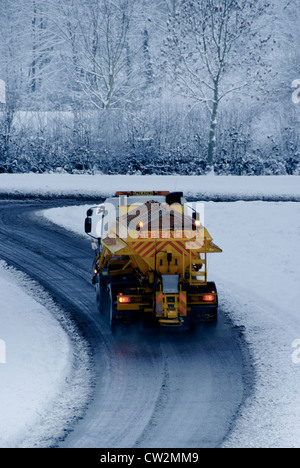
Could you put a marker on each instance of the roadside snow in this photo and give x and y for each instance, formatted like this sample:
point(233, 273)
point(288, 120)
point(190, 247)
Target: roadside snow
point(258, 277)
point(71, 218)
point(236, 187)
point(258, 280)
point(36, 360)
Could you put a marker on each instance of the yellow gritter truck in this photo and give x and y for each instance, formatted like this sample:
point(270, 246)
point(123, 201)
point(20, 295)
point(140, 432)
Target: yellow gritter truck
point(151, 260)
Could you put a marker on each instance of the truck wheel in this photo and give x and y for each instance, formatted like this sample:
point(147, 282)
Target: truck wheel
point(101, 295)
point(98, 295)
point(112, 314)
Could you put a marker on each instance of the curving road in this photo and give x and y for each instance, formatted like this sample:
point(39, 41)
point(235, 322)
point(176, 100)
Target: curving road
point(152, 389)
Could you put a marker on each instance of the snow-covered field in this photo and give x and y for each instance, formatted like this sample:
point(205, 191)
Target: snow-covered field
point(29, 379)
point(36, 365)
point(100, 185)
point(258, 276)
point(258, 280)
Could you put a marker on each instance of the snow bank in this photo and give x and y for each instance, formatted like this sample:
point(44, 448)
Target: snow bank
point(36, 359)
point(258, 280)
point(210, 187)
point(258, 277)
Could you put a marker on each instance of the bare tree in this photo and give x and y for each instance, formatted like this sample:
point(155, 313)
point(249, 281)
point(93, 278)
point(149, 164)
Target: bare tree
point(99, 35)
point(40, 42)
point(11, 63)
point(214, 47)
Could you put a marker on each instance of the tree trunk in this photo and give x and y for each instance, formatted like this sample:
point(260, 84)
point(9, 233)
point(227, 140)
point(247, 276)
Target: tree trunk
point(212, 132)
point(34, 49)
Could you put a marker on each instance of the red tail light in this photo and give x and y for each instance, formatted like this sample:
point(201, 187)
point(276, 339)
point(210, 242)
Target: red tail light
point(208, 298)
point(125, 299)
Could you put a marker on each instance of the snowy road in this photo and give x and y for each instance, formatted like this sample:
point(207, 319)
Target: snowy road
point(151, 389)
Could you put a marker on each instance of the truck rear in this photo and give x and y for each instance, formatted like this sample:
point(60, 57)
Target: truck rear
point(151, 260)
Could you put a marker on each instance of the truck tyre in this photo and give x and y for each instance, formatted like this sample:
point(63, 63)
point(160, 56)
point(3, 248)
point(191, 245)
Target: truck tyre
point(98, 294)
point(112, 313)
point(101, 295)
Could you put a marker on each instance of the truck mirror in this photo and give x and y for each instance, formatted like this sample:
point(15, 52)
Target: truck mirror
point(88, 225)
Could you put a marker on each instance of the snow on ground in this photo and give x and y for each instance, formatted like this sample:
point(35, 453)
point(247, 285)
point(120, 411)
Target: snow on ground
point(258, 277)
point(36, 359)
point(102, 185)
point(258, 280)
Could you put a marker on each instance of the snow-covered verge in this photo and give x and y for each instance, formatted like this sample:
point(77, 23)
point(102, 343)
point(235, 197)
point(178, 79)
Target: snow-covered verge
point(42, 389)
point(231, 187)
point(258, 280)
